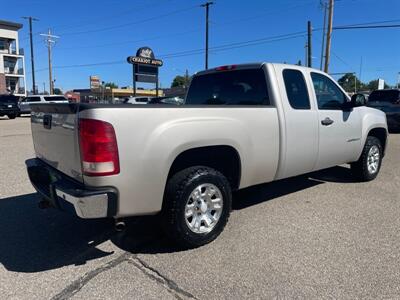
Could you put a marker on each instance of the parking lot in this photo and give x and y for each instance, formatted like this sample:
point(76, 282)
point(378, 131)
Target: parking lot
point(317, 236)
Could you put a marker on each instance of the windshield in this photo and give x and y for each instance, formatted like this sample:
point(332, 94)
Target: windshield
point(57, 98)
point(240, 87)
point(384, 96)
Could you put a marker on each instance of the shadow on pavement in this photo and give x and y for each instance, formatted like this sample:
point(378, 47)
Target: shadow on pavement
point(34, 240)
point(144, 235)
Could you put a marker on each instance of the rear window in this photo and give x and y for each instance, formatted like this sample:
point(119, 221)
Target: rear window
point(60, 98)
point(8, 98)
point(384, 96)
point(239, 87)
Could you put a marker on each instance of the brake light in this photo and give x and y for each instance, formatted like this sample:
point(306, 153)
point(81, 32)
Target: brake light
point(226, 68)
point(99, 149)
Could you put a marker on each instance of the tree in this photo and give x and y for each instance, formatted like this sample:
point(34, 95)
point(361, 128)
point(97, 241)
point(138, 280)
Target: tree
point(111, 85)
point(58, 91)
point(178, 81)
point(348, 81)
point(373, 85)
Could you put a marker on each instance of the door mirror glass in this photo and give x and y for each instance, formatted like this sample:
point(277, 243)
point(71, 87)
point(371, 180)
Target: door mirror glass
point(358, 100)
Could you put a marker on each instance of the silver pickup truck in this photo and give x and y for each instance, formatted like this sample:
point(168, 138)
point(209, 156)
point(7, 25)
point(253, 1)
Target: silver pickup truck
point(241, 125)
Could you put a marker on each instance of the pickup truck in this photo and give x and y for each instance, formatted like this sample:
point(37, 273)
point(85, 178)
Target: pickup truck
point(240, 125)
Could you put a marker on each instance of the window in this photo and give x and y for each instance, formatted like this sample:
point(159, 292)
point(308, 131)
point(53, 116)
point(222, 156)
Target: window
point(32, 99)
point(296, 89)
point(328, 94)
point(55, 98)
point(238, 87)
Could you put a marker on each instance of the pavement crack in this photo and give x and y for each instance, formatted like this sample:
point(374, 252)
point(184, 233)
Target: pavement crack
point(155, 275)
point(78, 284)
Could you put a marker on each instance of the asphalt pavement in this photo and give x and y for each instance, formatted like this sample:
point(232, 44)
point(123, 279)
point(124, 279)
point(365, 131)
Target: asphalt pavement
point(318, 236)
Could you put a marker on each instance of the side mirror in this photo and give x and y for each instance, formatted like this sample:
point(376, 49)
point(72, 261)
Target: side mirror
point(358, 100)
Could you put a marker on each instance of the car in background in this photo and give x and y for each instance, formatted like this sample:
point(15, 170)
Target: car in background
point(9, 106)
point(137, 100)
point(167, 100)
point(24, 104)
point(387, 101)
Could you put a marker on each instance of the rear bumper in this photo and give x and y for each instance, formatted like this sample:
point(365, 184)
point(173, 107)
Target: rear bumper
point(66, 194)
point(393, 121)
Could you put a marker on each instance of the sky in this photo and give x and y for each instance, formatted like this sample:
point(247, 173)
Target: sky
point(96, 36)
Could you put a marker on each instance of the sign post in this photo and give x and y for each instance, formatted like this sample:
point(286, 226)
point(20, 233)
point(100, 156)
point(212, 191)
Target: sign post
point(144, 67)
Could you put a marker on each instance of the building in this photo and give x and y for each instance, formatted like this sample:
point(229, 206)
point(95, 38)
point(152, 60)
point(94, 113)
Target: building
point(12, 64)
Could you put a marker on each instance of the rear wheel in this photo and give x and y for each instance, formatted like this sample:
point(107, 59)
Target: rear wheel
point(12, 116)
point(197, 205)
point(369, 164)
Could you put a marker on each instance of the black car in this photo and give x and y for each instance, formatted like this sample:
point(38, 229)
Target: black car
point(9, 106)
point(389, 102)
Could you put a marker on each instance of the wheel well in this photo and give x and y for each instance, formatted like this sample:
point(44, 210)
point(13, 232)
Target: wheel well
point(224, 159)
point(381, 135)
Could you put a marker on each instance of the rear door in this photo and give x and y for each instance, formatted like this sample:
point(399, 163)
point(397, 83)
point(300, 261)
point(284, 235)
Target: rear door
point(24, 105)
point(339, 130)
point(300, 121)
point(55, 137)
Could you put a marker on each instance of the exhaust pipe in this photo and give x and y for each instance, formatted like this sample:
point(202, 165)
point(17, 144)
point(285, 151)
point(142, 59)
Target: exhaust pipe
point(119, 225)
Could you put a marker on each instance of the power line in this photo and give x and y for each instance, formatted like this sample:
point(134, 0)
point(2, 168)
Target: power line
point(131, 23)
point(219, 48)
point(367, 27)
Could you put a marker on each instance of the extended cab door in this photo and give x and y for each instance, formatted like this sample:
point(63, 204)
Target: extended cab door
point(339, 130)
point(299, 129)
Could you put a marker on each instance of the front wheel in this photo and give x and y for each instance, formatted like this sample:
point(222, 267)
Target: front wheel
point(369, 164)
point(197, 204)
point(12, 116)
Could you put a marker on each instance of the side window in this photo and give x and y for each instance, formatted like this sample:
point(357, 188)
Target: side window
point(296, 89)
point(329, 96)
point(33, 99)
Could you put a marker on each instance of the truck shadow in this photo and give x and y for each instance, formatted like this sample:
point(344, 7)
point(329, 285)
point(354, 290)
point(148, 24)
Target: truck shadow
point(149, 230)
point(34, 240)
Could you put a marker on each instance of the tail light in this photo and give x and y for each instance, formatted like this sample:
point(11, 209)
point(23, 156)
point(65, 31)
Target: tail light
point(99, 149)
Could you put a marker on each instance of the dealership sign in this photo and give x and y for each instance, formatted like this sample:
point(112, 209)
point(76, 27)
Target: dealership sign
point(145, 56)
point(145, 67)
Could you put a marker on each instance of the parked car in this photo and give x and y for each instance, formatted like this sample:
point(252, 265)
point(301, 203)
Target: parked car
point(137, 100)
point(387, 101)
point(9, 106)
point(240, 126)
point(167, 100)
point(24, 104)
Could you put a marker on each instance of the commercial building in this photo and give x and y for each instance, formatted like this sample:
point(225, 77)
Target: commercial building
point(111, 94)
point(12, 64)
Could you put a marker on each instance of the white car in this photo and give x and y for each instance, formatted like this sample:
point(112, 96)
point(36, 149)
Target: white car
point(24, 105)
point(137, 100)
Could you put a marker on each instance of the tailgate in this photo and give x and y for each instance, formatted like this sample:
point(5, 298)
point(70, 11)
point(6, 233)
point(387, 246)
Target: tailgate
point(55, 137)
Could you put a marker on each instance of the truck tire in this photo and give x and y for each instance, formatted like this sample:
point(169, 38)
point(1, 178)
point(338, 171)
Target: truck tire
point(12, 116)
point(197, 205)
point(369, 163)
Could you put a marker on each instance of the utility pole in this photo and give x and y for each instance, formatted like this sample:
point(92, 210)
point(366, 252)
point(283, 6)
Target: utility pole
point(207, 5)
point(32, 60)
point(329, 36)
point(323, 36)
point(50, 41)
point(309, 45)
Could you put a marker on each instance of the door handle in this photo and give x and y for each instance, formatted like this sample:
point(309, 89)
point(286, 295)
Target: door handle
point(327, 121)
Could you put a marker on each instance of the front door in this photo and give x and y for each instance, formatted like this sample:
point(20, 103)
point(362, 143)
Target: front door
point(339, 130)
